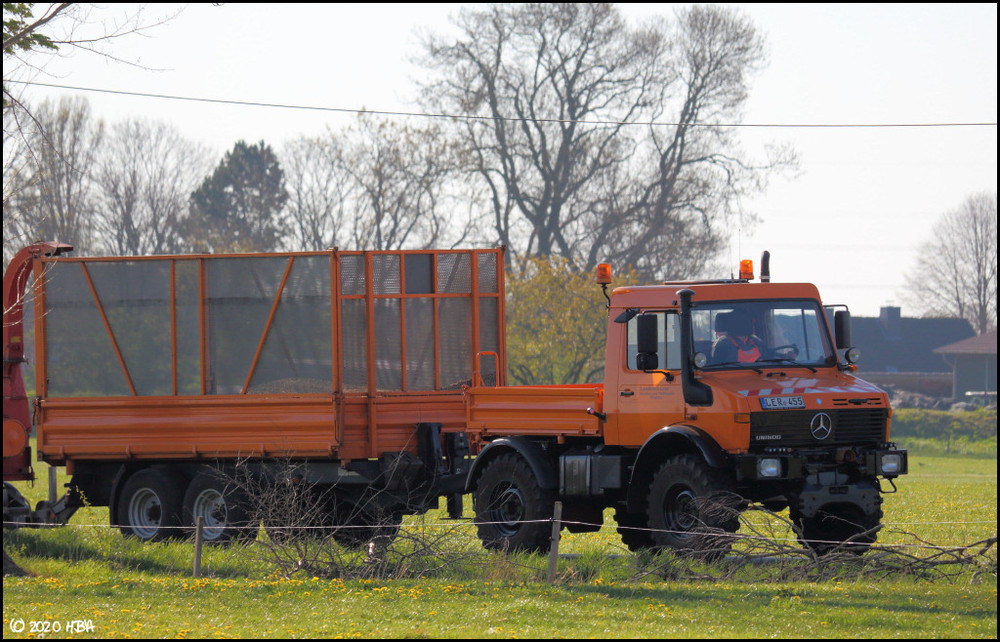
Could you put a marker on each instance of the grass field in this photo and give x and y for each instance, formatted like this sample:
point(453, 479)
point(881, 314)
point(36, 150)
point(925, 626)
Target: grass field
point(91, 582)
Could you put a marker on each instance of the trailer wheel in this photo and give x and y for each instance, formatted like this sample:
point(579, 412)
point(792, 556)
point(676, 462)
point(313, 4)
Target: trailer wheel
point(512, 509)
point(838, 528)
point(354, 527)
point(224, 507)
point(692, 507)
point(149, 507)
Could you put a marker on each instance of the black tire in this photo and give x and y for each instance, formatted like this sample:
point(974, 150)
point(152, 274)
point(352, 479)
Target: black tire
point(633, 531)
point(512, 509)
point(226, 509)
point(692, 507)
point(355, 527)
point(844, 528)
point(149, 506)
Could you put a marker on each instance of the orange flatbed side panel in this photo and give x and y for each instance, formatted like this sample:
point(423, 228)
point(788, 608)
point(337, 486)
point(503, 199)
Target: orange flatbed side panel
point(557, 411)
point(121, 428)
point(396, 418)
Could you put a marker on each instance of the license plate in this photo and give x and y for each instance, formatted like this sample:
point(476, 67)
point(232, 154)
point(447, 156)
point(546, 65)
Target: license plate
point(782, 403)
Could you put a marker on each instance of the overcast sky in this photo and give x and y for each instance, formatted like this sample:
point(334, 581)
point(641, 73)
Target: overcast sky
point(851, 221)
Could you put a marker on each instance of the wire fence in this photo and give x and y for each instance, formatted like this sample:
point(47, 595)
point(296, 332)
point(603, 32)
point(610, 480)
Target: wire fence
point(416, 547)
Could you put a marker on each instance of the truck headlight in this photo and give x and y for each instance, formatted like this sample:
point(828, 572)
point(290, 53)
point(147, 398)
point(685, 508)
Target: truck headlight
point(769, 467)
point(891, 464)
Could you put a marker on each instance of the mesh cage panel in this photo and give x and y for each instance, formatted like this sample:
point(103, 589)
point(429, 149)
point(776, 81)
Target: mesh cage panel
point(297, 356)
point(135, 296)
point(454, 343)
point(419, 344)
point(352, 274)
point(353, 331)
point(388, 347)
point(454, 274)
point(188, 328)
point(385, 274)
point(488, 273)
point(80, 359)
point(240, 292)
point(488, 340)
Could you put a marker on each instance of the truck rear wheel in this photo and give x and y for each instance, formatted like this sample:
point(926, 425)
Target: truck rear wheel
point(149, 507)
point(692, 507)
point(224, 508)
point(838, 528)
point(632, 529)
point(512, 509)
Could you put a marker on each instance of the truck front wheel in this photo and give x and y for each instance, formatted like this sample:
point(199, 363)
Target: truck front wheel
point(838, 528)
point(692, 507)
point(512, 509)
point(149, 507)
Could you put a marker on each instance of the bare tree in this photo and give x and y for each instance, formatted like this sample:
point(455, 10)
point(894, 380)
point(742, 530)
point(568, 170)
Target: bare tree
point(53, 195)
point(594, 139)
point(318, 192)
point(401, 176)
point(957, 275)
point(146, 174)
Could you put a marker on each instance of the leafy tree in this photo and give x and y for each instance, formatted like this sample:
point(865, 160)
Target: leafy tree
point(595, 140)
point(957, 274)
point(556, 322)
point(21, 32)
point(238, 207)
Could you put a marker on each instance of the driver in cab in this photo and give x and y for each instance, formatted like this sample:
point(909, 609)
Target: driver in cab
point(736, 342)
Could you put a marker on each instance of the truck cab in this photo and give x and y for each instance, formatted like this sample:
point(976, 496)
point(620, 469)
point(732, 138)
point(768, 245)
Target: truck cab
point(717, 392)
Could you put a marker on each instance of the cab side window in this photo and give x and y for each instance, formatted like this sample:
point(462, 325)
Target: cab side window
point(668, 335)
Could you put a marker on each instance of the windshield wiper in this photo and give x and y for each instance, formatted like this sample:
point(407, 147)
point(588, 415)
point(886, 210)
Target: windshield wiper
point(742, 364)
point(792, 362)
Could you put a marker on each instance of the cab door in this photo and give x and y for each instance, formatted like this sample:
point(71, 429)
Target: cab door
point(648, 400)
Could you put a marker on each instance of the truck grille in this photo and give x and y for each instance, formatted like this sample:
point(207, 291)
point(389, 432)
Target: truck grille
point(795, 428)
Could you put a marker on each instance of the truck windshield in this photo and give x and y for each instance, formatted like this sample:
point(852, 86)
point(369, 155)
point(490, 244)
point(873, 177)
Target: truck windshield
point(762, 333)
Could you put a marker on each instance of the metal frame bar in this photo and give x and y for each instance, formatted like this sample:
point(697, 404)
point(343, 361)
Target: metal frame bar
point(107, 326)
point(267, 325)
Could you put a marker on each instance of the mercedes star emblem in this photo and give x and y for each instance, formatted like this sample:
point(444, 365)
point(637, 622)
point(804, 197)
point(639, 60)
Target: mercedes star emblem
point(821, 425)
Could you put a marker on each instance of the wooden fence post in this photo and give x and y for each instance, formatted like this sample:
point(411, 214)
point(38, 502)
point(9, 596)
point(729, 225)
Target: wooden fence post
point(554, 548)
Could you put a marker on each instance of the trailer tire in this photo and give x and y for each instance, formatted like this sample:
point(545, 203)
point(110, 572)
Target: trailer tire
point(149, 507)
point(226, 509)
point(843, 528)
point(512, 509)
point(693, 508)
point(355, 528)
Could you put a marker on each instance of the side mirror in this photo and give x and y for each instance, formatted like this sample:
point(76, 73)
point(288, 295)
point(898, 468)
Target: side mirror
point(647, 342)
point(842, 328)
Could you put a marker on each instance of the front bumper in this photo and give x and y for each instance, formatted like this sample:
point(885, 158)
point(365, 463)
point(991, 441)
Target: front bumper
point(788, 465)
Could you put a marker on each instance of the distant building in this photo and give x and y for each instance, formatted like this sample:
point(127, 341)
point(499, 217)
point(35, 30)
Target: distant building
point(902, 352)
point(974, 364)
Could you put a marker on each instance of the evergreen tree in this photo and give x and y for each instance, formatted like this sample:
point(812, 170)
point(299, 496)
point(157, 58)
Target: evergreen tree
point(238, 208)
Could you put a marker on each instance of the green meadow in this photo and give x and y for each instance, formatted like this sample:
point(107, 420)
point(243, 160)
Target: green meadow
point(88, 581)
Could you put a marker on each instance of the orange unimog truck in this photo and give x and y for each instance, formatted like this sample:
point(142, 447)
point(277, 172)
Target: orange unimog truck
point(161, 382)
point(715, 394)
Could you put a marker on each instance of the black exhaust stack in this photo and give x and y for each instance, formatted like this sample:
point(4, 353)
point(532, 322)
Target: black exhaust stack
point(696, 393)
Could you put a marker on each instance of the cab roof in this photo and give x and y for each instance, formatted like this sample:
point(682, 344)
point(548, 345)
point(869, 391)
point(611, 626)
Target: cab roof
point(665, 295)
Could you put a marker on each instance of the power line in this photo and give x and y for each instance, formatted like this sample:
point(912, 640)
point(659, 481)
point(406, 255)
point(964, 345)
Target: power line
point(382, 112)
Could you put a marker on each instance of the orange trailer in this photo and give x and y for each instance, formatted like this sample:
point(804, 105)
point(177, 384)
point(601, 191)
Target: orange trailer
point(152, 374)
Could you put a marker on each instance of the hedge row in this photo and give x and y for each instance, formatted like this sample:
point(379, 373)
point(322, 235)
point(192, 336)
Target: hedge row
point(936, 424)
